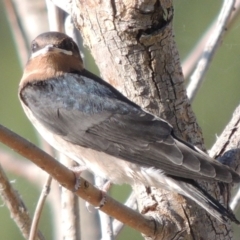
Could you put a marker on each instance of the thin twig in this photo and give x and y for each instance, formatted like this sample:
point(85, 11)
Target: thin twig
point(191, 60)
point(70, 212)
point(67, 179)
point(34, 175)
point(234, 205)
point(70, 29)
point(105, 220)
point(16, 206)
point(210, 49)
point(39, 208)
point(20, 38)
point(55, 17)
point(229, 143)
point(63, 4)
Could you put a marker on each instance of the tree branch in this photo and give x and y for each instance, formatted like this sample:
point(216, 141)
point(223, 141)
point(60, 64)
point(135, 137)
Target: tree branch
point(192, 59)
point(67, 179)
point(39, 209)
point(16, 206)
point(210, 49)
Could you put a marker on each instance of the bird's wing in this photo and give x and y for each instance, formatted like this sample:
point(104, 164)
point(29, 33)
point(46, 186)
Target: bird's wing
point(87, 111)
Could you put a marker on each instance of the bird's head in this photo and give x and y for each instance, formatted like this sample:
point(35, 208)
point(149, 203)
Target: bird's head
point(54, 43)
point(52, 55)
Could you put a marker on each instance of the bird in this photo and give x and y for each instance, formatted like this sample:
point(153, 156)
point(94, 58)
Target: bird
point(88, 120)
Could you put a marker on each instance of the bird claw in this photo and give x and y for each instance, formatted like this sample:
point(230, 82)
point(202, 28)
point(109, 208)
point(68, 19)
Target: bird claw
point(104, 189)
point(103, 200)
point(77, 170)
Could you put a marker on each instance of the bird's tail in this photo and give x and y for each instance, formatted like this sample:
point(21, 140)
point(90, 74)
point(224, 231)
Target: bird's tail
point(195, 192)
point(190, 189)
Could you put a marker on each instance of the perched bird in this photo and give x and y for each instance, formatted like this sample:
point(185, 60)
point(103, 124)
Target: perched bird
point(88, 120)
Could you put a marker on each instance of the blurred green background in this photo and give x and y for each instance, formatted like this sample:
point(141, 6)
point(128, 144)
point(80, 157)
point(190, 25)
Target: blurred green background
point(214, 104)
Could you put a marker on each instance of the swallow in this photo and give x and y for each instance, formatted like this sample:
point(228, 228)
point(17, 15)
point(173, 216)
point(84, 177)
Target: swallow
point(87, 119)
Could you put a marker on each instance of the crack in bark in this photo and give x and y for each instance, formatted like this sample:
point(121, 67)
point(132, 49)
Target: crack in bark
point(234, 129)
point(112, 2)
point(177, 235)
point(189, 222)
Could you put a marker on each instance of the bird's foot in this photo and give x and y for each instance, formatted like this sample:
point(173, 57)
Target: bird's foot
point(77, 172)
point(104, 189)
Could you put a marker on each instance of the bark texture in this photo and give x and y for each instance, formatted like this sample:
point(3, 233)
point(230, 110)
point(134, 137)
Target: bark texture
point(134, 47)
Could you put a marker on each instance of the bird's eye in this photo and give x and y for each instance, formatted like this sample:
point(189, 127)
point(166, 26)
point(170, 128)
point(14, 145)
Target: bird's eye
point(34, 46)
point(71, 44)
point(68, 45)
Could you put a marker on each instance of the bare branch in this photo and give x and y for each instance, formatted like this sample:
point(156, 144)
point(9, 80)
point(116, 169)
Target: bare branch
point(33, 174)
point(70, 208)
point(105, 220)
point(229, 144)
point(16, 206)
point(22, 43)
point(210, 49)
point(191, 60)
point(235, 201)
point(55, 17)
point(39, 208)
point(67, 179)
point(229, 138)
point(32, 16)
point(63, 4)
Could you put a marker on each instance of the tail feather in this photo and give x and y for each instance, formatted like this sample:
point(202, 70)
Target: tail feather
point(205, 200)
point(190, 189)
point(209, 168)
